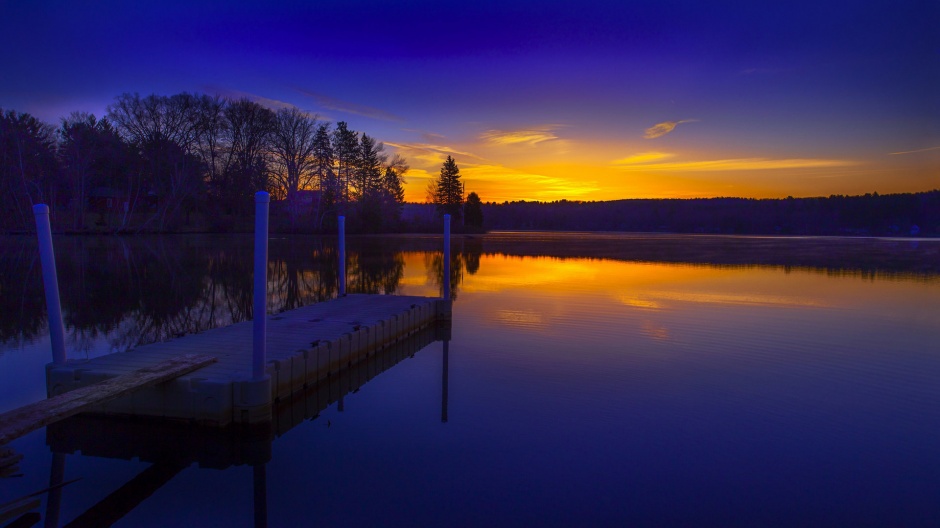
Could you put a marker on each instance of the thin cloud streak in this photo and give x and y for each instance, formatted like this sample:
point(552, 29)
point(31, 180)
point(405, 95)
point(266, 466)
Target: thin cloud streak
point(528, 136)
point(914, 151)
point(643, 157)
point(430, 148)
point(272, 104)
point(427, 136)
point(520, 185)
point(339, 105)
point(661, 129)
point(735, 165)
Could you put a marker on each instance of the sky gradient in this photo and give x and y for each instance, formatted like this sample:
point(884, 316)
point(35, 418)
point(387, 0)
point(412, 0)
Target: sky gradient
point(536, 100)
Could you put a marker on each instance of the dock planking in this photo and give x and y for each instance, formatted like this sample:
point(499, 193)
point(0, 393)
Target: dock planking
point(19, 422)
point(304, 346)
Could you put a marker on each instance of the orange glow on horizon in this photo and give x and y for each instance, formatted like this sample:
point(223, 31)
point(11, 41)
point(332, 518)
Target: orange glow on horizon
point(536, 164)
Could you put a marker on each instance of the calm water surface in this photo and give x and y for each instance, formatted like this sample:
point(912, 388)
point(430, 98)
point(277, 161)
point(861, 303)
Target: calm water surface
point(589, 380)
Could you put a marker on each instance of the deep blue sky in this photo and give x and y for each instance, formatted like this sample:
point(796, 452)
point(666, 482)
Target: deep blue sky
point(536, 100)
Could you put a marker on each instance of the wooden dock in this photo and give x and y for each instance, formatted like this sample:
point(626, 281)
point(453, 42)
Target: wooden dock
point(304, 347)
point(170, 446)
point(161, 441)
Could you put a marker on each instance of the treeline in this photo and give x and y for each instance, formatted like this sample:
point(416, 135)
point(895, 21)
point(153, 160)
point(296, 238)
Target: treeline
point(872, 214)
point(194, 162)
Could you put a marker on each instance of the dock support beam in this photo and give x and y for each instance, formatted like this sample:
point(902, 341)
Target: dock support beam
point(447, 257)
point(260, 309)
point(342, 256)
point(51, 282)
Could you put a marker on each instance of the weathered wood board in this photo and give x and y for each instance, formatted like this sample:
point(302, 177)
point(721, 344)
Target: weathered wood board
point(19, 422)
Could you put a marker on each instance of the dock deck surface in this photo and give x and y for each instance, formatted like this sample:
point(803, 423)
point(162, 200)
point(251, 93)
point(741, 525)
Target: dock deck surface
point(304, 346)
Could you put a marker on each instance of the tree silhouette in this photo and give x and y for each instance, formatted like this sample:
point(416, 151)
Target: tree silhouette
point(473, 211)
point(448, 194)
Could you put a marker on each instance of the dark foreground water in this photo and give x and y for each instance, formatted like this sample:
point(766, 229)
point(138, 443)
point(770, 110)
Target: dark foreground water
point(589, 380)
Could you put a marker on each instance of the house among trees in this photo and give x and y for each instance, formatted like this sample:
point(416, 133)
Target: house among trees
point(103, 200)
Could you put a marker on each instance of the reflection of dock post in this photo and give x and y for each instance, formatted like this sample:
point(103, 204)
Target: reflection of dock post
point(261, 284)
point(261, 495)
point(342, 255)
point(447, 257)
point(54, 501)
point(444, 384)
point(51, 282)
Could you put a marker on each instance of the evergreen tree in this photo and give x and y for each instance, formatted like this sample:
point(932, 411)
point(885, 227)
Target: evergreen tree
point(346, 154)
point(393, 191)
point(327, 181)
point(473, 211)
point(448, 195)
point(368, 174)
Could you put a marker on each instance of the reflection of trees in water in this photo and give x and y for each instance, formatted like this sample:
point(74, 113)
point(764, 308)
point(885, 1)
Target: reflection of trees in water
point(138, 290)
point(472, 250)
point(130, 290)
point(375, 268)
point(300, 273)
point(22, 305)
point(464, 256)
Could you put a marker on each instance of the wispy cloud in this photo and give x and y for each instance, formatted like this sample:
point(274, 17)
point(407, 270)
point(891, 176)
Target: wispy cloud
point(429, 137)
point(661, 129)
point(339, 105)
point(515, 184)
point(526, 136)
point(441, 151)
point(914, 151)
point(228, 93)
point(735, 164)
point(643, 157)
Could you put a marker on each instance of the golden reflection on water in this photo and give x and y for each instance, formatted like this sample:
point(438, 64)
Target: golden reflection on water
point(548, 296)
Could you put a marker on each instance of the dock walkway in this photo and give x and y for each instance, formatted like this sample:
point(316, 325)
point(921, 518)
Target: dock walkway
point(304, 346)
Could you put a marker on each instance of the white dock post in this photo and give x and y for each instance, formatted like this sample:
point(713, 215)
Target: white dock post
point(447, 257)
point(342, 256)
point(259, 311)
point(51, 282)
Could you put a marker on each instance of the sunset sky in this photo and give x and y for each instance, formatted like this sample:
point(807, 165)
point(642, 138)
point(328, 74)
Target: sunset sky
point(536, 100)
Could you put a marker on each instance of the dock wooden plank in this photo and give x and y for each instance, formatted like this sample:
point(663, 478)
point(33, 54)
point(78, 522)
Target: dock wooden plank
point(19, 422)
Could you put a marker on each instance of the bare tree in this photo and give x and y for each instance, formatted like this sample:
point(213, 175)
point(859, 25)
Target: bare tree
point(165, 131)
point(211, 133)
point(250, 128)
point(293, 146)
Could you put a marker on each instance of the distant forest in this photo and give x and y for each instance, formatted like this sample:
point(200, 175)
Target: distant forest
point(916, 214)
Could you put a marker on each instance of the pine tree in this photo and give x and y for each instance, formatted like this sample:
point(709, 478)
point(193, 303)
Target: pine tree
point(327, 181)
point(473, 211)
point(346, 152)
point(448, 196)
point(368, 175)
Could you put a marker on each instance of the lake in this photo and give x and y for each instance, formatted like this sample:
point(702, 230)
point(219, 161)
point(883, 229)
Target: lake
point(588, 380)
